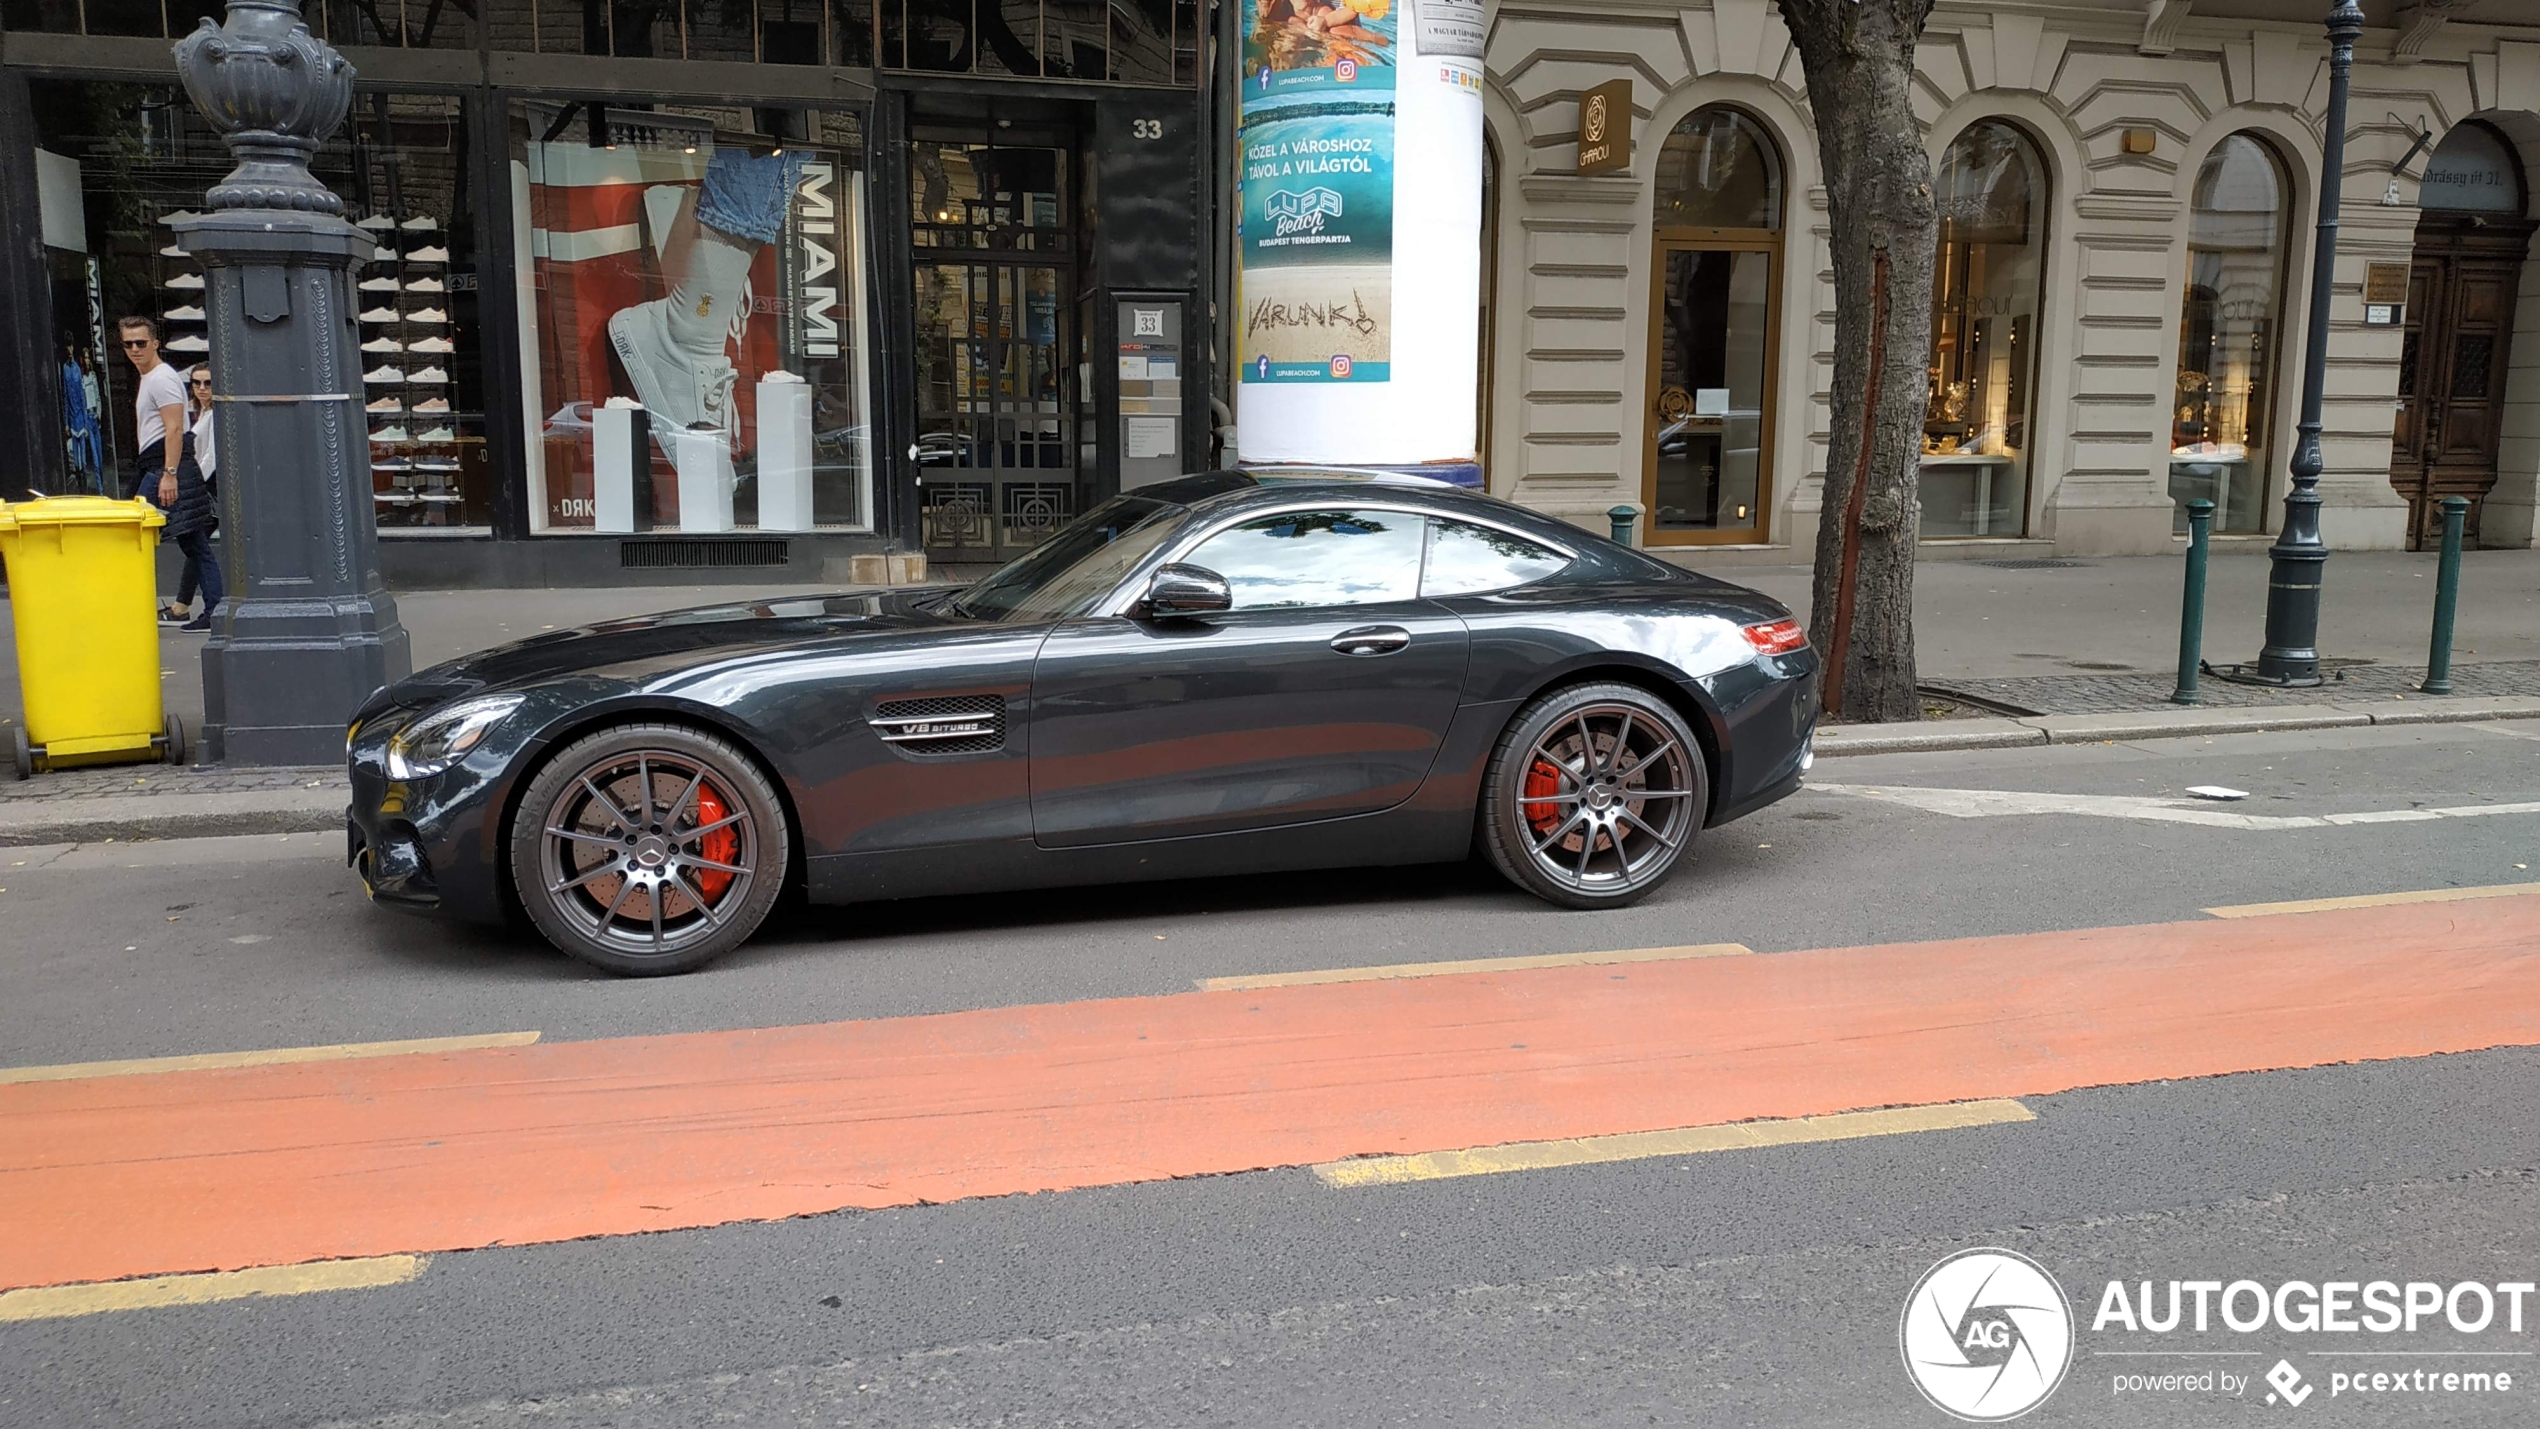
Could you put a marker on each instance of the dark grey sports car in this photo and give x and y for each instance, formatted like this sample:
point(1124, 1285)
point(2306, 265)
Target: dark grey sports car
point(1226, 673)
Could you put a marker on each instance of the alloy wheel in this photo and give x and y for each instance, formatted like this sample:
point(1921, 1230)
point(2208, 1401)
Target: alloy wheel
point(648, 852)
point(1609, 797)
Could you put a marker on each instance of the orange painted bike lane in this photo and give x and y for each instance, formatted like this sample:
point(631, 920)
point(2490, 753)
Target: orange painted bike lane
point(211, 1170)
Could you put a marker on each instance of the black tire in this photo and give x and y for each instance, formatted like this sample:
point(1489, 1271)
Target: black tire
point(174, 753)
point(1603, 832)
point(21, 754)
point(664, 889)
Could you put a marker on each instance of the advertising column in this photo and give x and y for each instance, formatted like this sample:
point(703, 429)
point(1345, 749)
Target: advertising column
point(1359, 234)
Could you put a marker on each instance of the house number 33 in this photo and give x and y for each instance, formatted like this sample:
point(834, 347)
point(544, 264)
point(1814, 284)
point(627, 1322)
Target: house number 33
point(1147, 128)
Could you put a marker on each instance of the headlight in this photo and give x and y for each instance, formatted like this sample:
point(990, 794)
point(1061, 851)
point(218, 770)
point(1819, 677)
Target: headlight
point(441, 738)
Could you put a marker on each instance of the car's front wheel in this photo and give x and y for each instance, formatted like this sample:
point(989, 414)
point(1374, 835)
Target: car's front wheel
point(1593, 795)
point(649, 849)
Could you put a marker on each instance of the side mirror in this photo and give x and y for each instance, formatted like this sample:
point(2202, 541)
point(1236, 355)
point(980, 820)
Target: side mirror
point(1187, 590)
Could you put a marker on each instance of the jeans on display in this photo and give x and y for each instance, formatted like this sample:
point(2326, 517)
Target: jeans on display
point(745, 193)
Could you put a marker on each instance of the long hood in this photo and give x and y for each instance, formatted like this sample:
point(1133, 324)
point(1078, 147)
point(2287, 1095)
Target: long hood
point(648, 649)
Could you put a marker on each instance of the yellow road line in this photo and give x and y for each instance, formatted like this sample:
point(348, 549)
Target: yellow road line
point(1474, 965)
point(57, 1302)
point(338, 1052)
point(1642, 1145)
point(2374, 900)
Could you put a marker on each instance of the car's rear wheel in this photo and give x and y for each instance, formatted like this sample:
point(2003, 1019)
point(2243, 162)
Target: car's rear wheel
point(1593, 795)
point(649, 849)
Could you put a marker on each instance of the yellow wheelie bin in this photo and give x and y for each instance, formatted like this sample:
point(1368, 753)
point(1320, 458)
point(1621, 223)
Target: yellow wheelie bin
point(83, 593)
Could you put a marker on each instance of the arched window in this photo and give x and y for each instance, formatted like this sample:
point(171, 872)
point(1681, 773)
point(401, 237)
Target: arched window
point(2472, 171)
point(2229, 329)
point(1988, 285)
point(1718, 170)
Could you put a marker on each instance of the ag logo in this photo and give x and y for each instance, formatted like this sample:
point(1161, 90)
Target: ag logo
point(1986, 1335)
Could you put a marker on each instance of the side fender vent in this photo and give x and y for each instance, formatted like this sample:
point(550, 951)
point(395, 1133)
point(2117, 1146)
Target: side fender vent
point(947, 724)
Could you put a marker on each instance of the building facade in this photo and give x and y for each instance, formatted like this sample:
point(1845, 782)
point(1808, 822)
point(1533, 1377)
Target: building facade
point(864, 266)
point(2127, 190)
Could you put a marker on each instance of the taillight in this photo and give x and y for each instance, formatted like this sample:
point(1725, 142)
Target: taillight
point(1776, 637)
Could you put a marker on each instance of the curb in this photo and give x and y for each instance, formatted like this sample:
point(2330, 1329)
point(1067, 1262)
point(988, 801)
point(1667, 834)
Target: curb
point(175, 816)
point(2013, 733)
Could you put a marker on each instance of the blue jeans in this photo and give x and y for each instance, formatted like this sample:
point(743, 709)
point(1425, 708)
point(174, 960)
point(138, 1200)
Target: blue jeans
point(202, 567)
point(745, 193)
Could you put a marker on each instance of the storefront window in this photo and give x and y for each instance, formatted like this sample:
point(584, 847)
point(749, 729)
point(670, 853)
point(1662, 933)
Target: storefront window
point(1987, 283)
point(1718, 170)
point(130, 158)
point(1133, 41)
point(696, 351)
point(2219, 447)
point(807, 32)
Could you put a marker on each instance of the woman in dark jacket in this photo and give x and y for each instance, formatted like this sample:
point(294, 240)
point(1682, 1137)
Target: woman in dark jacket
point(191, 521)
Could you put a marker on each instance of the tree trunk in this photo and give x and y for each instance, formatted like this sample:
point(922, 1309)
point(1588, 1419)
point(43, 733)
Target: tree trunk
point(1859, 59)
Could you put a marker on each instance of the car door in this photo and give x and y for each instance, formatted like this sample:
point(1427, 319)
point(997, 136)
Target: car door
point(1323, 692)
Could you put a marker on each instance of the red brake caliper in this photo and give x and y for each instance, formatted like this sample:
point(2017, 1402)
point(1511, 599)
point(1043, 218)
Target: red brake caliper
point(723, 845)
point(1543, 781)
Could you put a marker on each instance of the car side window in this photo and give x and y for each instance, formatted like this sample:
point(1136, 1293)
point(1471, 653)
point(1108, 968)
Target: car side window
point(1317, 558)
point(1465, 559)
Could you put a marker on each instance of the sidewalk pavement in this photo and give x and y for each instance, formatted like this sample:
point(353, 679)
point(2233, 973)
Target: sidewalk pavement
point(2057, 644)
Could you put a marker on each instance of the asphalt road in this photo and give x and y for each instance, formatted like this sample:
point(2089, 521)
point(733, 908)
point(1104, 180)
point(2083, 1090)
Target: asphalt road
point(1735, 1287)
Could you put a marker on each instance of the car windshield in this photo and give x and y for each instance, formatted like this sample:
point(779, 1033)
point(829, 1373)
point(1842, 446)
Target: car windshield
point(1075, 567)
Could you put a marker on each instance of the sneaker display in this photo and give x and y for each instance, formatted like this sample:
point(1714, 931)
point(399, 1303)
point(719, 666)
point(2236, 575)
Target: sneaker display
point(379, 315)
point(394, 467)
point(431, 344)
point(390, 434)
point(376, 222)
point(438, 434)
point(383, 344)
point(190, 313)
point(429, 375)
point(384, 374)
point(180, 216)
point(425, 285)
point(687, 389)
point(381, 284)
point(433, 404)
point(427, 315)
point(191, 282)
point(386, 404)
point(429, 253)
point(172, 251)
point(191, 342)
point(420, 224)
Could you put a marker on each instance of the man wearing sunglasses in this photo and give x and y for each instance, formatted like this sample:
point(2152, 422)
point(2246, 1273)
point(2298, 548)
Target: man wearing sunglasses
point(167, 474)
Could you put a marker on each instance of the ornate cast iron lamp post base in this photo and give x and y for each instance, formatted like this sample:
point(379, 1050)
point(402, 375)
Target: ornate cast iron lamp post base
point(308, 631)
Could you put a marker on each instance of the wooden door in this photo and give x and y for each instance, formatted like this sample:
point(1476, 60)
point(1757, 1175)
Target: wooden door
point(2452, 363)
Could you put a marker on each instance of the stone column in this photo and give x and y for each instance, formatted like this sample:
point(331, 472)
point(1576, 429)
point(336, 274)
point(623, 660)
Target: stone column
point(307, 631)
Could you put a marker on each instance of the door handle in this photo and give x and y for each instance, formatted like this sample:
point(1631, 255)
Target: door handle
point(1371, 640)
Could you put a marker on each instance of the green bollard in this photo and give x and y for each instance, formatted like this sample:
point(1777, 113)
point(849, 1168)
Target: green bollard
point(2447, 593)
point(2191, 607)
point(1622, 517)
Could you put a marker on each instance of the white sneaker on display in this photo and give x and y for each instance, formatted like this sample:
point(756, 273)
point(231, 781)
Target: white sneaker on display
point(190, 313)
point(384, 374)
point(430, 344)
point(380, 284)
point(429, 253)
point(425, 285)
point(380, 315)
point(172, 251)
point(376, 222)
point(433, 404)
point(191, 342)
point(429, 375)
point(437, 434)
point(420, 224)
point(383, 344)
point(389, 435)
point(685, 389)
point(427, 316)
point(191, 282)
point(386, 404)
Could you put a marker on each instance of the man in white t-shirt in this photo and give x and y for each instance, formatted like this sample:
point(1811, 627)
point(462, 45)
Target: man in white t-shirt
point(168, 475)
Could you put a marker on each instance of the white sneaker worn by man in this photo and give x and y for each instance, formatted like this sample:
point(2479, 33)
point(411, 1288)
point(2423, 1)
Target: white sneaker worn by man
point(686, 388)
